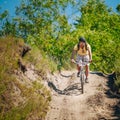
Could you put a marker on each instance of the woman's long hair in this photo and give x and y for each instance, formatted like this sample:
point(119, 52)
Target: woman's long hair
point(81, 39)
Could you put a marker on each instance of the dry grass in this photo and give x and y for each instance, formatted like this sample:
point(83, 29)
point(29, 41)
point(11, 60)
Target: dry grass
point(21, 100)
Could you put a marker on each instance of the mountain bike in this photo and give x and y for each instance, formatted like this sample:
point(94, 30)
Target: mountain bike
point(82, 73)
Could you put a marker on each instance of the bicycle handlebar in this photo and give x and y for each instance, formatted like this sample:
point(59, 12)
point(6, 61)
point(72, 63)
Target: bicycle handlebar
point(82, 62)
point(73, 61)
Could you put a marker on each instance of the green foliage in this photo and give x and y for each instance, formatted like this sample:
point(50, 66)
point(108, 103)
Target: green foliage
point(101, 27)
point(44, 24)
point(7, 26)
point(34, 17)
point(117, 70)
point(4, 15)
point(102, 32)
point(118, 8)
point(58, 51)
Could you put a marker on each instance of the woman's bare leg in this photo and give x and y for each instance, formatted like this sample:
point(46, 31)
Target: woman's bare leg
point(78, 68)
point(87, 71)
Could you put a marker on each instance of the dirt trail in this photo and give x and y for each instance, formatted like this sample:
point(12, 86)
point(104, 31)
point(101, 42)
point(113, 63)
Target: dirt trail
point(68, 103)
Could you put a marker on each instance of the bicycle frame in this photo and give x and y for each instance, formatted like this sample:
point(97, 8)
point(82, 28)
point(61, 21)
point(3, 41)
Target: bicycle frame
point(82, 74)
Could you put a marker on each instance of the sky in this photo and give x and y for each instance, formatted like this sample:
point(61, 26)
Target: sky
point(10, 5)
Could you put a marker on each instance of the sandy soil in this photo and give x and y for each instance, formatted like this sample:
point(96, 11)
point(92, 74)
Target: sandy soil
point(68, 103)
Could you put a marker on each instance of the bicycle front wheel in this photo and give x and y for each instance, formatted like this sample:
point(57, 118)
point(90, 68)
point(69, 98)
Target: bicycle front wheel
point(82, 82)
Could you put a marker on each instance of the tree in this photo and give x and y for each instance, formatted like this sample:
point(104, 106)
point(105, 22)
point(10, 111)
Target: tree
point(100, 26)
point(118, 8)
point(33, 16)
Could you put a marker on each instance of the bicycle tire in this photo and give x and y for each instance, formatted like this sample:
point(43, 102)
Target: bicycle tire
point(82, 82)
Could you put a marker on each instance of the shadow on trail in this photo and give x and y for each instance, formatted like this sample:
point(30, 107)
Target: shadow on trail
point(111, 93)
point(73, 89)
point(98, 73)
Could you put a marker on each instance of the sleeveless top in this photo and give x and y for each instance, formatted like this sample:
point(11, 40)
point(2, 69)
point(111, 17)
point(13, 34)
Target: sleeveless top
point(81, 51)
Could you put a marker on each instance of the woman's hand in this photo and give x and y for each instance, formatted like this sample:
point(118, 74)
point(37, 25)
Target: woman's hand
point(73, 61)
point(90, 61)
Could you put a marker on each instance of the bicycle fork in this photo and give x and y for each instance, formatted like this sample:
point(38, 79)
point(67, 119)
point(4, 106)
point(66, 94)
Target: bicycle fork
point(82, 79)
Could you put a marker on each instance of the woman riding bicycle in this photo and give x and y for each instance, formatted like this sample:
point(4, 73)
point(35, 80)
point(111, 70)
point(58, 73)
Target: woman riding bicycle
point(83, 51)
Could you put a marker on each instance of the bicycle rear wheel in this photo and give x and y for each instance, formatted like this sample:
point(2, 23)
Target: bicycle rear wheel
point(82, 82)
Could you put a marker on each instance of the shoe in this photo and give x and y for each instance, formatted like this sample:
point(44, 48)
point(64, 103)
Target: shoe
point(86, 80)
point(78, 74)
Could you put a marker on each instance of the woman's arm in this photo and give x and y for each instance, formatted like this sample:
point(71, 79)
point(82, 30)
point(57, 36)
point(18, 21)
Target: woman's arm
point(73, 55)
point(90, 54)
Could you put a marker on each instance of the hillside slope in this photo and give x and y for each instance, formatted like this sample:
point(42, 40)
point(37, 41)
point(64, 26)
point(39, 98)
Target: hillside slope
point(26, 87)
point(22, 94)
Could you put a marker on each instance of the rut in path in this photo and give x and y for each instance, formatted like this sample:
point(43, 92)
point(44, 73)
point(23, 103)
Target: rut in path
point(68, 103)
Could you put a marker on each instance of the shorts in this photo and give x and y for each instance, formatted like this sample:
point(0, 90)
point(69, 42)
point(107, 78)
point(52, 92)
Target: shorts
point(80, 59)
